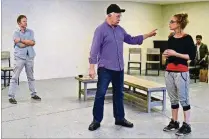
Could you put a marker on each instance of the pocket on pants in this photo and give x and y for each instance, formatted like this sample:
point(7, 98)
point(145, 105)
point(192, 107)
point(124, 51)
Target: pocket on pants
point(101, 70)
point(184, 76)
point(166, 74)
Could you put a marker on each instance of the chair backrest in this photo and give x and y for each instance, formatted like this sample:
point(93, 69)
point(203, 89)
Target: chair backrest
point(153, 51)
point(134, 51)
point(5, 55)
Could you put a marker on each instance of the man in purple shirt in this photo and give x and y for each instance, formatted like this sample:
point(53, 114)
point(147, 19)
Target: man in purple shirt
point(107, 52)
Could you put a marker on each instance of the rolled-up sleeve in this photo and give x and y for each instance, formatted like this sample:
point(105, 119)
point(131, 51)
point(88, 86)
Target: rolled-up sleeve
point(96, 45)
point(32, 35)
point(16, 35)
point(134, 40)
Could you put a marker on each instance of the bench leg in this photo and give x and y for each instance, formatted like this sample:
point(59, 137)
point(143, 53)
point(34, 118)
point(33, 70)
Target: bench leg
point(148, 101)
point(164, 100)
point(79, 90)
point(85, 91)
point(129, 88)
point(134, 90)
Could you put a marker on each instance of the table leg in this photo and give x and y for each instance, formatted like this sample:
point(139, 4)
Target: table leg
point(85, 91)
point(164, 100)
point(148, 101)
point(79, 89)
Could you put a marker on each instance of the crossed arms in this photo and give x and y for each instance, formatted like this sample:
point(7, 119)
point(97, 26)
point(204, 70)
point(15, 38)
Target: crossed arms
point(24, 43)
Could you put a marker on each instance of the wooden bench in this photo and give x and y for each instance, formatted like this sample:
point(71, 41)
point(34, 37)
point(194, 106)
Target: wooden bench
point(144, 99)
point(134, 96)
point(88, 92)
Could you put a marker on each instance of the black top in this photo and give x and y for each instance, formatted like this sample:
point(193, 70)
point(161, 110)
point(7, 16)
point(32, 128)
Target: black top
point(184, 45)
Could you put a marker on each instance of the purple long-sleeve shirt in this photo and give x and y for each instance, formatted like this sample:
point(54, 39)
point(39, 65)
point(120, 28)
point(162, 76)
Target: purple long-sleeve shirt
point(107, 46)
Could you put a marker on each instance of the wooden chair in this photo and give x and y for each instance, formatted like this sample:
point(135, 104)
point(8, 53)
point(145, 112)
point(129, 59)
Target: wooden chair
point(134, 51)
point(151, 52)
point(193, 70)
point(5, 55)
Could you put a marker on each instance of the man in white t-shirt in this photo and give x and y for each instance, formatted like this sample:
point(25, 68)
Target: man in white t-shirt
point(202, 52)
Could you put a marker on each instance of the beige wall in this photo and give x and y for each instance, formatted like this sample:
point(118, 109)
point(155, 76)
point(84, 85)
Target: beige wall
point(64, 31)
point(64, 34)
point(198, 17)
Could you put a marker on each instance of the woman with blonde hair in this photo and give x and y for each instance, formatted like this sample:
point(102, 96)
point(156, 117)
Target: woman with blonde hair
point(181, 48)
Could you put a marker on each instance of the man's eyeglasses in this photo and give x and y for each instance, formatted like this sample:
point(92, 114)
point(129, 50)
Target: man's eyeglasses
point(171, 22)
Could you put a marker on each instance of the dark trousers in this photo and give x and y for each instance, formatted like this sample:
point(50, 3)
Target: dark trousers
point(106, 76)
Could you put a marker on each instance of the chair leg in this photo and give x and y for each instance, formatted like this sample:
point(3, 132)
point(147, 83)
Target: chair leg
point(140, 69)
point(158, 69)
point(128, 71)
point(146, 69)
point(9, 78)
point(4, 78)
point(194, 78)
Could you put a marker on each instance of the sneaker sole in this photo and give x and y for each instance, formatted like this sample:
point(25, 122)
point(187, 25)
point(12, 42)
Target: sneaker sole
point(13, 102)
point(36, 99)
point(182, 134)
point(173, 129)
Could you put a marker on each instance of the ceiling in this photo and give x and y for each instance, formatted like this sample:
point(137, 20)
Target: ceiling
point(162, 2)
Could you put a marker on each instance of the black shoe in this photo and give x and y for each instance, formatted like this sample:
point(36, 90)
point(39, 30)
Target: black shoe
point(94, 125)
point(124, 123)
point(12, 101)
point(172, 126)
point(36, 97)
point(184, 130)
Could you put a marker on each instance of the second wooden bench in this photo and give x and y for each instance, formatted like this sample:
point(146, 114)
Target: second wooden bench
point(144, 99)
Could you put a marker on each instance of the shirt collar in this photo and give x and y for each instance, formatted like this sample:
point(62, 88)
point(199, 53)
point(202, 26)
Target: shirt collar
point(109, 25)
point(200, 44)
point(20, 29)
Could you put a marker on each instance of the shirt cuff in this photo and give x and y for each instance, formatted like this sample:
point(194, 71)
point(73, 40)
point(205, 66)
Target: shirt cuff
point(140, 39)
point(92, 61)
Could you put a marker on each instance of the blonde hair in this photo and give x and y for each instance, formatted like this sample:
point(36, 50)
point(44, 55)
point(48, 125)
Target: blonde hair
point(182, 19)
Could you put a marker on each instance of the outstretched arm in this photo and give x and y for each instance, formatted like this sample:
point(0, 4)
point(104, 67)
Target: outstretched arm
point(134, 40)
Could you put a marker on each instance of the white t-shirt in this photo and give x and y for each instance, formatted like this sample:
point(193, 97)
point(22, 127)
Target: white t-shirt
point(198, 51)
